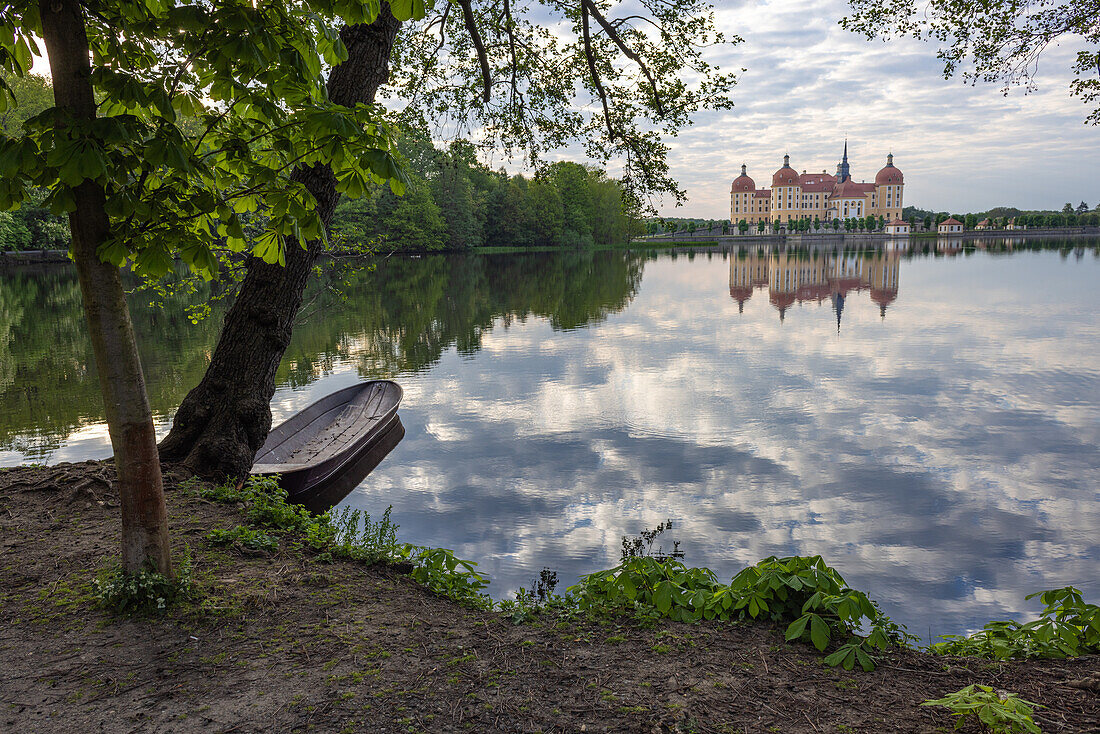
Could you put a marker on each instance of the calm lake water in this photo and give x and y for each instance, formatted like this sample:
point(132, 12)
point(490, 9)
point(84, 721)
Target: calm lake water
point(927, 421)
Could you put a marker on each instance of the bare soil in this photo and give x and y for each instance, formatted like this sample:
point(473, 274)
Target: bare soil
point(287, 642)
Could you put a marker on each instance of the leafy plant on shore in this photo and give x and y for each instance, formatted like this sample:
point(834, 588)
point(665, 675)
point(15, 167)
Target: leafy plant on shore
point(1068, 626)
point(146, 592)
point(819, 606)
point(246, 537)
point(443, 572)
point(346, 533)
point(644, 586)
point(812, 598)
point(540, 597)
point(998, 712)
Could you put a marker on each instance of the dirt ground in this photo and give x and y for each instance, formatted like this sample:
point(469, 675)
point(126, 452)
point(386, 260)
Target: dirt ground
point(285, 642)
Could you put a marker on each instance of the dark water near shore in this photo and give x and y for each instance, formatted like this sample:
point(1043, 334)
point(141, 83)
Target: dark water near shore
point(929, 422)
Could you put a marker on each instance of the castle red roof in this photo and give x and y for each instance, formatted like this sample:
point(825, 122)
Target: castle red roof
point(849, 190)
point(743, 183)
point(785, 176)
point(817, 178)
point(951, 220)
point(889, 175)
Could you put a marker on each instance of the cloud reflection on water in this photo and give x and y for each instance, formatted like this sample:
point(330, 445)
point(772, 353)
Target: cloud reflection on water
point(942, 454)
point(941, 460)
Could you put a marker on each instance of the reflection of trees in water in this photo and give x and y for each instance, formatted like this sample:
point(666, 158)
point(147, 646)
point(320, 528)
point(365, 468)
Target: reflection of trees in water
point(403, 316)
point(399, 318)
point(48, 386)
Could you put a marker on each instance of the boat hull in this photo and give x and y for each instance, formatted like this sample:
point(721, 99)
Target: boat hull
point(315, 444)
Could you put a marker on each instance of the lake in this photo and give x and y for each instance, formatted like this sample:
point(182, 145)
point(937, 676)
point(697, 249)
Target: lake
point(926, 420)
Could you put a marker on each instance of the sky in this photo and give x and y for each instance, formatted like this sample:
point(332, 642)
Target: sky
point(809, 83)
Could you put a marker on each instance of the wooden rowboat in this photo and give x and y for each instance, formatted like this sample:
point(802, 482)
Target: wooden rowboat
point(313, 445)
point(333, 490)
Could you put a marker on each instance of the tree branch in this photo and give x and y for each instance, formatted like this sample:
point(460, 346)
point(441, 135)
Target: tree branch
point(613, 34)
point(589, 55)
point(479, 46)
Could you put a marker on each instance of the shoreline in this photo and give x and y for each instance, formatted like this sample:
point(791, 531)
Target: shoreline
point(288, 640)
point(790, 241)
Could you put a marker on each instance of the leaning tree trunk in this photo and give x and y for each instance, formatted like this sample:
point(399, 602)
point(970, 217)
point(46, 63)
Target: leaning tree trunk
point(223, 421)
point(144, 520)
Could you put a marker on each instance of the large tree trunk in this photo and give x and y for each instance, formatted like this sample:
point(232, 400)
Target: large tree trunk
point(144, 520)
point(223, 421)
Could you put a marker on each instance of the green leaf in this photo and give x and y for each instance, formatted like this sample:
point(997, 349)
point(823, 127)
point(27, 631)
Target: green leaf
point(153, 261)
point(112, 251)
point(819, 632)
point(662, 597)
point(797, 627)
point(407, 9)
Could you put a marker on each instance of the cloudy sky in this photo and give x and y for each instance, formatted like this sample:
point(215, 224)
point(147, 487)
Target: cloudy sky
point(809, 82)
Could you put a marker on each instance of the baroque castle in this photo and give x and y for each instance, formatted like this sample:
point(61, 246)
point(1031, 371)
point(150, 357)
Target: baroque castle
point(794, 196)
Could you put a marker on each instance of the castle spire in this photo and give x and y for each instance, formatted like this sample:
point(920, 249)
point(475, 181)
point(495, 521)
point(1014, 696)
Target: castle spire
point(786, 160)
point(844, 172)
point(743, 169)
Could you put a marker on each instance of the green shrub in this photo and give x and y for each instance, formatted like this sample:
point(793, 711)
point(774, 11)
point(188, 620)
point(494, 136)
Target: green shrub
point(146, 592)
point(803, 592)
point(344, 533)
point(246, 537)
point(1068, 626)
point(441, 571)
point(648, 586)
point(998, 712)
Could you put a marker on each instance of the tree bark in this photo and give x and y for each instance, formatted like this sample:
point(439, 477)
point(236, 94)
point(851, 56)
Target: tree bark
point(225, 419)
point(129, 421)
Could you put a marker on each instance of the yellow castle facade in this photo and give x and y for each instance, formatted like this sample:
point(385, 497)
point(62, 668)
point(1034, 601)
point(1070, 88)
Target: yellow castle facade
point(822, 196)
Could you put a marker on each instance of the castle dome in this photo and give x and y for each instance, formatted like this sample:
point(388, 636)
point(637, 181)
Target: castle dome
point(786, 176)
point(743, 182)
point(889, 173)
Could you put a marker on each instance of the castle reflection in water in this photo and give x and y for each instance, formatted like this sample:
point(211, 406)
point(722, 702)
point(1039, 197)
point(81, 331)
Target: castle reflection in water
point(798, 277)
point(801, 276)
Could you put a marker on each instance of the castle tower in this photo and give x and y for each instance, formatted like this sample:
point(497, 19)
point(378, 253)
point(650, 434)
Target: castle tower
point(843, 173)
point(889, 183)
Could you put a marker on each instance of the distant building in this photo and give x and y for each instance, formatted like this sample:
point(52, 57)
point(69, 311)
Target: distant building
point(897, 226)
point(794, 196)
point(984, 224)
point(950, 226)
point(1013, 225)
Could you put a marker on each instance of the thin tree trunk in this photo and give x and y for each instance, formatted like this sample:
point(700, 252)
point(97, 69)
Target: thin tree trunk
point(144, 520)
point(225, 419)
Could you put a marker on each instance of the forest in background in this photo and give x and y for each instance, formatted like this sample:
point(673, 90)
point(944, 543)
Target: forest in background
point(454, 201)
point(1070, 216)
